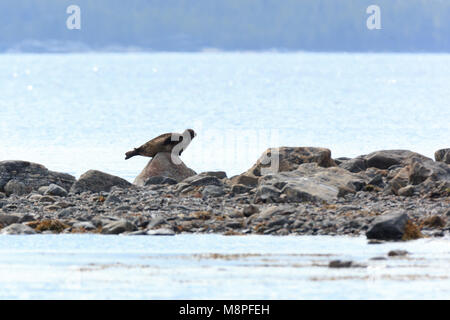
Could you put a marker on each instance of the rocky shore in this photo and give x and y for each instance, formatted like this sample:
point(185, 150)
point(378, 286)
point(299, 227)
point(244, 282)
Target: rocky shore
point(385, 195)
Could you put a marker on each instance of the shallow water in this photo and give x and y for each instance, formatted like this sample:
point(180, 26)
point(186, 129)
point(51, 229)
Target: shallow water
point(218, 267)
point(77, 112)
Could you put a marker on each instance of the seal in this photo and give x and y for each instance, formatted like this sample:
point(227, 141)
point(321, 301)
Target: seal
point(163, 143)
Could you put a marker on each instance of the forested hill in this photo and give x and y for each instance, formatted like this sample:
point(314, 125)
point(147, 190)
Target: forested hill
point(185, 25)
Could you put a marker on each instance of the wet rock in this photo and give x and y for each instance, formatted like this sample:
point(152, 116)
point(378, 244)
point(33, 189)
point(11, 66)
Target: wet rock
point(338, 264)
point(97, 181)
point(55, 190)
point(118, 227)
point(17, 228)
point(392, 226)
point(397, 253)
point(162, 166)
point(32, 175)
point(443, 155)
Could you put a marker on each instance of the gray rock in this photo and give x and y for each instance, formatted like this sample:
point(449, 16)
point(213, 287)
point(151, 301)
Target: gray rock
point(161, 232)
point(2, 195)
point(340, 264)
point(7, 219)
point(55, 190)
point(97, 181)
point(17, 228)
point(344, 264)
point(311, 182)
point(112, 199)
point(118, 227)
point(16, 187)
point(213, 191)
point(160, 180)
point(290, 158)
point(84, 225)
point(202, 180)
point(161, 165)
point(443, 155)
point(240, 189)
point(390, 226)
point(386, 158)
point(267, 194)
point(407, 191)
point(32, 175)
point(354, 165)
point(217, 174)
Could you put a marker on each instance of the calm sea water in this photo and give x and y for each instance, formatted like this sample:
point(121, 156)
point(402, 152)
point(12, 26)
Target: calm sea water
point(77, 112)
point(218, 267)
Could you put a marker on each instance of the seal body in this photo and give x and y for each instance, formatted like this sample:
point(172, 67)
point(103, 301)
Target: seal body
point(163, 143)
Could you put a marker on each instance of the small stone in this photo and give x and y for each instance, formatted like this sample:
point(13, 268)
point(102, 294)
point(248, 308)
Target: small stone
point(397, 253)
point(340, 264)
point(250, 210)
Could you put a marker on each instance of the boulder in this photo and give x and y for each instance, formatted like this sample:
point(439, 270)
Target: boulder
point(442, 155)
point(16, 187)
point(32, 175)
point(354, 165)
point(289, 159)
point(161, 165)
point(55, 190)
point(386, 158)
point(7, 219)
point(392, 226)
point(309, 182)
point(97, 181)
point(118, 227)
point(419, 172)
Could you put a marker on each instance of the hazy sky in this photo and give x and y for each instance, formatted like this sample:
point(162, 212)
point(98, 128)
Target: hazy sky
point(185, 25)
